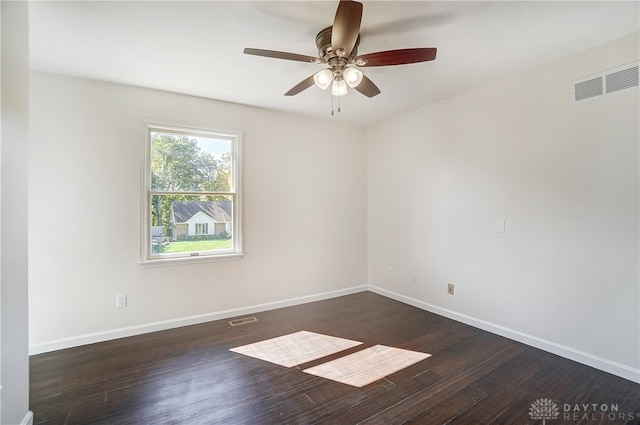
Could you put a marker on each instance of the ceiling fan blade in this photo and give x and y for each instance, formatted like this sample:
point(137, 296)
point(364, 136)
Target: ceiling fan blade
point(282, 55)
point(399, 56)
point(302, 85)
point(367, 88)
point(346, 26)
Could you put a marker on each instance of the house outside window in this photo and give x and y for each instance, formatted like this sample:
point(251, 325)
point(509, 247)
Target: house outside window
point(191, 198)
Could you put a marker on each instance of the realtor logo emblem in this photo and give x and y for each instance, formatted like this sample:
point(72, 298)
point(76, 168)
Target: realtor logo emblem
point(544, 408)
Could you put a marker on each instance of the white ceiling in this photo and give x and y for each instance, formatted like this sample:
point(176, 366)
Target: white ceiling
point(196, 48)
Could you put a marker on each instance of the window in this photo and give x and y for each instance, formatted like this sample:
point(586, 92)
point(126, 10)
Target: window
point(191, 198)
point(202, 228)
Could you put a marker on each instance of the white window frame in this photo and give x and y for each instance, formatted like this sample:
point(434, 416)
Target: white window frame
point(147, 258)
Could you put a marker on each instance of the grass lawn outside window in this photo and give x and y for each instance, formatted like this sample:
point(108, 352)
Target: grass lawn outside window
point(189, 246)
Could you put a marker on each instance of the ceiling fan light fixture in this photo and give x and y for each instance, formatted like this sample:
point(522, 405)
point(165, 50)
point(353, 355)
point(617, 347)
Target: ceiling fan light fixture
point(338, 49)
point(353, 77)
point(339, 88)
point(323, 78)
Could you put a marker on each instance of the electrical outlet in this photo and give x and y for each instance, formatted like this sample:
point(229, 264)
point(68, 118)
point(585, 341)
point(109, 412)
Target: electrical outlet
point(414, 278)
point(390, 272)
point(450, 288)
point(121, 300)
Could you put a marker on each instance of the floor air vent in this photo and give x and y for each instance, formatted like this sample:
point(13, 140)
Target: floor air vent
point(242, 321)
point(604, 83)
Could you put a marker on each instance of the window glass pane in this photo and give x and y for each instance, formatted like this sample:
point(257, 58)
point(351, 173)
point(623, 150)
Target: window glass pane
point(190, 163)
point(191, 183)
point(191, 223)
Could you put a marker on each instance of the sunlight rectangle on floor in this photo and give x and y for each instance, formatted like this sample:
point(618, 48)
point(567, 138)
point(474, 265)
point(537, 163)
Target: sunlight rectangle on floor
point(368, 365)
point(296, 348)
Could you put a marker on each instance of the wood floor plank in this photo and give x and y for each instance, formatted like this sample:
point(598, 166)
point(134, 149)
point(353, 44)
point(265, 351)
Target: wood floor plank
point(384, 401)
point(441, 413)
point(188, 376)
point(481, 363)
point(497, 401)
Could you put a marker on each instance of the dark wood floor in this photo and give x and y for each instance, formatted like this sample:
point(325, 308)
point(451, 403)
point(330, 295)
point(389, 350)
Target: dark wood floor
point(189, 376)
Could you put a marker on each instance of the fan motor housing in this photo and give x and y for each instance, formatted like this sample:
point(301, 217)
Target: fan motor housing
point(325, 51)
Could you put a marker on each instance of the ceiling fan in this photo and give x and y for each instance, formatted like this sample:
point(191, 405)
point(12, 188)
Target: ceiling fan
point(338, 48)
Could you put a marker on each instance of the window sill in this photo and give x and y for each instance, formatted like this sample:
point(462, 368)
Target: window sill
point(176, 261)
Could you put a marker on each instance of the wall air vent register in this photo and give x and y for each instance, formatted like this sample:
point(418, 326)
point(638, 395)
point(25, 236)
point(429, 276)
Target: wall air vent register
point(604, 83)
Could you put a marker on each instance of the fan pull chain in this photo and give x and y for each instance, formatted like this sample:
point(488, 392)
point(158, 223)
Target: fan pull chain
point(332, 97)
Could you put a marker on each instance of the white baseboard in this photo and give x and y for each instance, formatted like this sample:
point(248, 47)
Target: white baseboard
point(605, 365)
point(91, 338)
point(28, 419)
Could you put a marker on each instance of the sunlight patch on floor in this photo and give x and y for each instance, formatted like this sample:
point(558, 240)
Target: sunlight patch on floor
point(357, 369)
point(296, 348)
point(368, 365)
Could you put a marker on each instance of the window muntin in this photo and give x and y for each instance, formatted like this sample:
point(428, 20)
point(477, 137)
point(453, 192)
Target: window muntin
point(191, 207)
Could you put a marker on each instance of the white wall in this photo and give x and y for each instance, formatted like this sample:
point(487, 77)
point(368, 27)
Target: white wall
point(564, 275)
point(84, 194)
point(14, 377)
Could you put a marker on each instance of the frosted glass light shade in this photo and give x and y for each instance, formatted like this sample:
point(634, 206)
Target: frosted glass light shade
point(323, 78)
point(352, 76)
point(339, 88)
